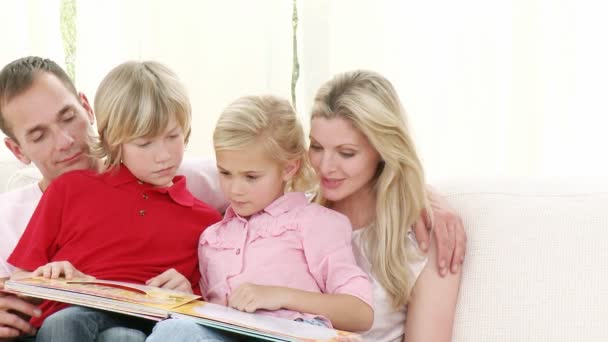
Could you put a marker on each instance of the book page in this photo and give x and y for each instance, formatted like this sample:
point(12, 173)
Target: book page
point(113, 290)
point(274, 326)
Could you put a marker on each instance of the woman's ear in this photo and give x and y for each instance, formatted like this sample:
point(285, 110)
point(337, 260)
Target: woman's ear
point(291, 168)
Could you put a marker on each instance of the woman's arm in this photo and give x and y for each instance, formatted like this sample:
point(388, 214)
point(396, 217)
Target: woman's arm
point(432, 306)
point(345, 312)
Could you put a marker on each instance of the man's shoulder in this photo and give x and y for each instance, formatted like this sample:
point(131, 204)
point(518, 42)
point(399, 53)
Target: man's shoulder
point(75, 179)
point(25, 194)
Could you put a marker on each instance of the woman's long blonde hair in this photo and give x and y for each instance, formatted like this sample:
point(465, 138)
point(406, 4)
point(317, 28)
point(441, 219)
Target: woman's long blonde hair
point(272, 122)
point(370, 102)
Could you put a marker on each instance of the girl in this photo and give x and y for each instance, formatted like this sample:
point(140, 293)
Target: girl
point(118, 224)
point(274, 251)
point(369, 171)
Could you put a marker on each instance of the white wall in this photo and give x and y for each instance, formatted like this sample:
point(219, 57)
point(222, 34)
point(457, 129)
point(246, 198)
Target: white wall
point(512, 87)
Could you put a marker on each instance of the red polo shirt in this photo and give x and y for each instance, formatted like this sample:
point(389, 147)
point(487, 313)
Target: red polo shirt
point(114, 227)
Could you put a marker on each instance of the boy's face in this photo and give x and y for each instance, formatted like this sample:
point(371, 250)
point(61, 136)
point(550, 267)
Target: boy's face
point(51, 127)
point(250, 179)
point(155, 160)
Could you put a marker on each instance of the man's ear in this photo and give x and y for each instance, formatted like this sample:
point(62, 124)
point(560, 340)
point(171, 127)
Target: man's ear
point(87, 107)
point(291, 168)
point(16, 150)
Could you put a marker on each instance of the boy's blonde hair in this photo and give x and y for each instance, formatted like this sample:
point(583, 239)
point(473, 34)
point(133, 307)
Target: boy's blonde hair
point(370, 103)
point(272, 122)
point(135, 100)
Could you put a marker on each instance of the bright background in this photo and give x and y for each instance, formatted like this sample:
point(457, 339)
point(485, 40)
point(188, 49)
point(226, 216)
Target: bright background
point(492, 88)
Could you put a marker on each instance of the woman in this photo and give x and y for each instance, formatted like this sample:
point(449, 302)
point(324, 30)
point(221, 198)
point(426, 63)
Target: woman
point(369, 171)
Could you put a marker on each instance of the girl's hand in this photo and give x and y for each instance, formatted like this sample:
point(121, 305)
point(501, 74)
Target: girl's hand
point(171, 279)
point(57, 269)
point(251, 297)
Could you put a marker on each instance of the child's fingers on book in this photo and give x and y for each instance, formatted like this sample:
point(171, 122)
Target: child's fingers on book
point(56, 270)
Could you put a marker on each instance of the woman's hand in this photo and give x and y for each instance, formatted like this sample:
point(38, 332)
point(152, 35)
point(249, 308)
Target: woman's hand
point(449, 234)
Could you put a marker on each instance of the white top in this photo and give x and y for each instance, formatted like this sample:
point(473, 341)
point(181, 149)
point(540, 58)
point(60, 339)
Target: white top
point(203, 182)
point(16, 208)
point(389, 323)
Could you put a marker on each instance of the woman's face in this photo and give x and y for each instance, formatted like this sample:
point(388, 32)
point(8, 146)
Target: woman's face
point(342, 157)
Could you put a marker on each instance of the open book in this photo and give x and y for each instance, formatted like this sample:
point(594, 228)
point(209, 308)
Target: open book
point(157, 304)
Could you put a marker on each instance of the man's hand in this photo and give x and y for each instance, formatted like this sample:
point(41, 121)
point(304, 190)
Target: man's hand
point(250, 297)
point(171, 280)
point(449, 234)
point(57, 269)
point(14, 315)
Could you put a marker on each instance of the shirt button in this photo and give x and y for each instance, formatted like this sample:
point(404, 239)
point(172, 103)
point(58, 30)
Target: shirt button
point(142, 212)
point(144, 196)
point(238, 251)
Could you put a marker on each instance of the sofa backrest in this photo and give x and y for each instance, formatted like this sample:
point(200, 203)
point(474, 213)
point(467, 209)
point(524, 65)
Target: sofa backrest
point(14, 174)
point(536, 267)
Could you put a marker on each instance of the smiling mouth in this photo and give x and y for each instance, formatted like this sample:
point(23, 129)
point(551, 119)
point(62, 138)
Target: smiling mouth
point(71, 158)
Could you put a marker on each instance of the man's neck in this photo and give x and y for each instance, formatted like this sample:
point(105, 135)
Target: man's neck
point(95, 165)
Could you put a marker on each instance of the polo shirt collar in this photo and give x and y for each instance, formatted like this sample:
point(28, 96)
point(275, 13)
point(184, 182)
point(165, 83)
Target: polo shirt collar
point(178, 191)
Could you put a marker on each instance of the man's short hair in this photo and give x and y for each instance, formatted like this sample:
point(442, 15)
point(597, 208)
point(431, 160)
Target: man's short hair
point(19, 75)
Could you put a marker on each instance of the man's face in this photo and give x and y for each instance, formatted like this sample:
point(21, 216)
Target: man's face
point(51, 126)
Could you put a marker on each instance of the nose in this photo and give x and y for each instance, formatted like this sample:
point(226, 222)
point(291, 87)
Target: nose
point(328, 163)
point(163, 154)
point(64, 140)
point(237, 187)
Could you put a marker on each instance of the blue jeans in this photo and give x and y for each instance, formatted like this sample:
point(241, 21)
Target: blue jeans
point(179, 330)
point(77, 323)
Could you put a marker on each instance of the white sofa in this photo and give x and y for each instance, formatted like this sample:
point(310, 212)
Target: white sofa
point(536, 267)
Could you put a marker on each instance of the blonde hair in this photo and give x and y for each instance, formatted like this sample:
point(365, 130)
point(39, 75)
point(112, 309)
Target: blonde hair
point(370, 102)
point(272, 122)
point(135, 100)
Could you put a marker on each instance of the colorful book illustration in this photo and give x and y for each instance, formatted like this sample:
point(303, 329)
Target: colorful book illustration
point(158, 304)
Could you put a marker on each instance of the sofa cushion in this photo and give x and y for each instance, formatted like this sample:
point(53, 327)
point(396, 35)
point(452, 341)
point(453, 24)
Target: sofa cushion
point(536, 267)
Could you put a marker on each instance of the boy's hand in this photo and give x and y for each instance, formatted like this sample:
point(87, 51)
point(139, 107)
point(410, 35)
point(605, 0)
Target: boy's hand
point(14, 315)
point(171, 280)
point(57, 269)
point(251, 297)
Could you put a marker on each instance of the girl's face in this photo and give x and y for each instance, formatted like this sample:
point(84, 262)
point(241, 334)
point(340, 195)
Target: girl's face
point(155, 160)
point(342, 157)
point(250, 179)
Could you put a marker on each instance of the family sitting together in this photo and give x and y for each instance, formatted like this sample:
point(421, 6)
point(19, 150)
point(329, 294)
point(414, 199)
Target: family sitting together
point(334, 232)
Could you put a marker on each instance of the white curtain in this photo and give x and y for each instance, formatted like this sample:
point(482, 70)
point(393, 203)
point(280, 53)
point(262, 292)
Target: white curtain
point(512, 87)
point(29, 28)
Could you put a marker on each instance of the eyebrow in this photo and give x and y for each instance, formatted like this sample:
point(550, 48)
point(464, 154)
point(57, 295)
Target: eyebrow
point(36, 128)
point(241, 172)
point(346, 145)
